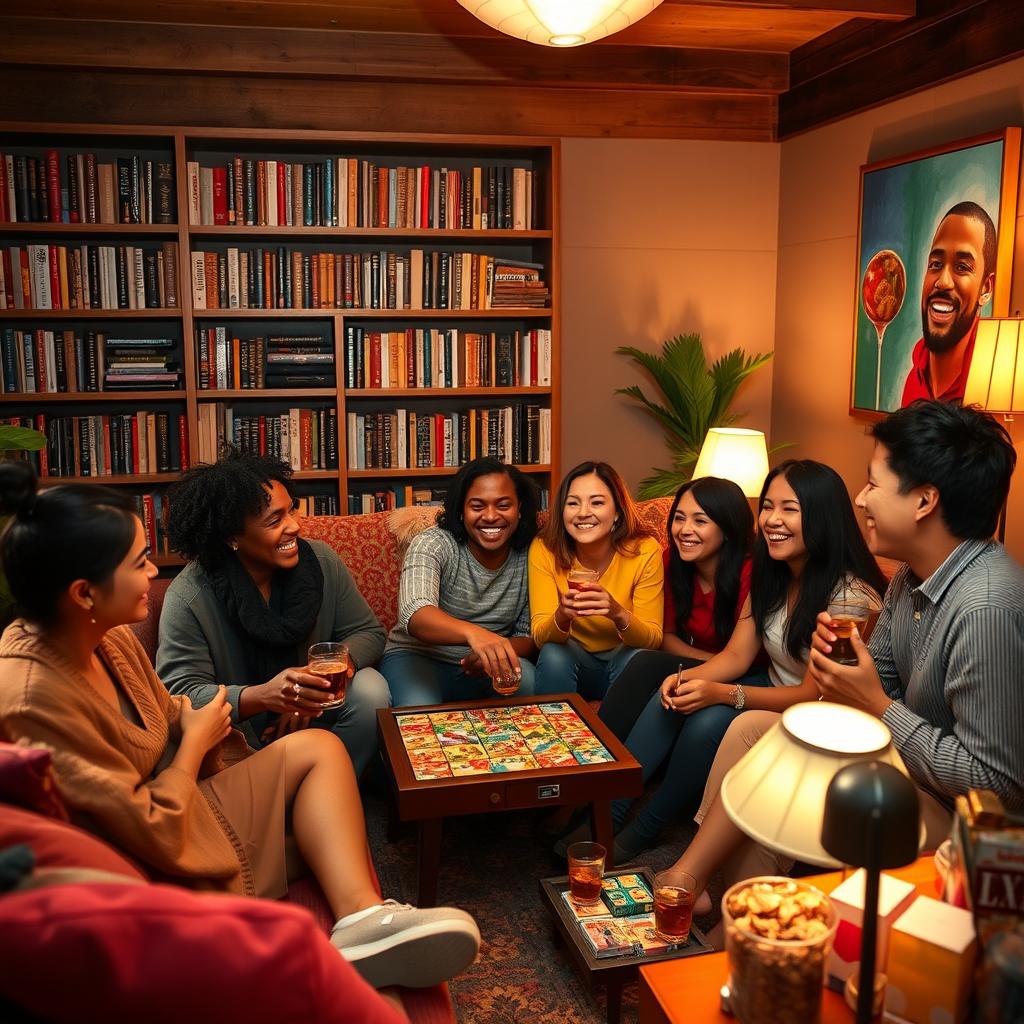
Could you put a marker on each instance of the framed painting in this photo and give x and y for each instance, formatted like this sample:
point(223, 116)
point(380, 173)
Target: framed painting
point(934, 253)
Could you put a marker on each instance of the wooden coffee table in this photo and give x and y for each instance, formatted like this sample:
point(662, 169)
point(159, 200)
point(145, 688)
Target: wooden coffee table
point(502, 785)
point(613, 971)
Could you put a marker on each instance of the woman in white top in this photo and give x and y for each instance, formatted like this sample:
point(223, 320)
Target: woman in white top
point(809, 549)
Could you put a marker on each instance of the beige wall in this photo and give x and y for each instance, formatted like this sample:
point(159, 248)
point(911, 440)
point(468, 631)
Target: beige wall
point(819, 184)
point(660, 238)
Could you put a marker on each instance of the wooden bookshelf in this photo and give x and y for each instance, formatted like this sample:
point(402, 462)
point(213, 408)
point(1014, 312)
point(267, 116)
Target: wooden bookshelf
point(218, 146)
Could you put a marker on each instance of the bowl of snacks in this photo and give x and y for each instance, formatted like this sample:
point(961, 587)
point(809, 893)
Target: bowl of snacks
point(778, 934)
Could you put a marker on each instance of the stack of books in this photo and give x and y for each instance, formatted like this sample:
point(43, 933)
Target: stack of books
point(300, 362)
point(519, 283)
point(141, 364)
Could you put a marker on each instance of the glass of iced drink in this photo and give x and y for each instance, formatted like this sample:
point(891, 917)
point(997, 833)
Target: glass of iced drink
point(674, 895)
point(586, 869)
point(329, 660)
point(579, 578)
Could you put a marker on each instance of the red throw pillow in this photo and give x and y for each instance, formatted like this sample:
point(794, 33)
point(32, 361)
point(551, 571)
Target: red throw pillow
point(26, 779)
point(57, 844)
point(159, 954)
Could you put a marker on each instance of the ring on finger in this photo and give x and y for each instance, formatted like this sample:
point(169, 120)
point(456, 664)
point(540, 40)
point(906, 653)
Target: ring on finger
point(295, 690)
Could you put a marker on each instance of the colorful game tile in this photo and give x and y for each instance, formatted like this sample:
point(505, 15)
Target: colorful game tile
point(600, 756)
point(416, 741)
point(536, 728)
point(513, 764)
point(478, 766)
point(444, 719)
point(556, 708)
point(453, 737)
point(566, 723)
point(464, 752)
point(510, 746)
point(545, 744)
point(581, 741)
point(555, 758)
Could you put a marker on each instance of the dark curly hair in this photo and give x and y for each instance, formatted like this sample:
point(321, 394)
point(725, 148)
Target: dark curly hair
point(450, 517)
point(210, 504)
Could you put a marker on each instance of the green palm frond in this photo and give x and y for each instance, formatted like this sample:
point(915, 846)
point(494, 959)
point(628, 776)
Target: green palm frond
point(22, 439)
point(696, 398)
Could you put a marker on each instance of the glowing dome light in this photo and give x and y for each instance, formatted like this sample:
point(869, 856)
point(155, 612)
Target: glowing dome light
point(560, 22)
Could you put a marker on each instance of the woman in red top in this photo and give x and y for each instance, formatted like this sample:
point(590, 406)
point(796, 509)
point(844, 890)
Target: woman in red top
point(707, 567)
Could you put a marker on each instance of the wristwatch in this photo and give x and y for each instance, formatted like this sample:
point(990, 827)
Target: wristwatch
point(739, 698)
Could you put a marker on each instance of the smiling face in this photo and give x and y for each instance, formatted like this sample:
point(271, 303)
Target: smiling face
point(269, 539)
point(125, 597)
point(490, 514)
point(956, 282)
point(697, 537)
point(890, 517)
point(589, 513)
point(781, 523)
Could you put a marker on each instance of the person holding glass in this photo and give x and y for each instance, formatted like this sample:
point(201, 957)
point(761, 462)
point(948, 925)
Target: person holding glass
point(463, 627)
point(251, 601)
point(173, 786)
point(596, 584)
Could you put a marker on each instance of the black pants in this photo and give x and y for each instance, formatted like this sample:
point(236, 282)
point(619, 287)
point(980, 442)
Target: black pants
point(632, 690)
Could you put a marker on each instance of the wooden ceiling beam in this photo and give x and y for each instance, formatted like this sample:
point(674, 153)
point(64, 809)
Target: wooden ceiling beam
point(261, 51)
point(885, 10)
point(116, 97)
point(861, 68)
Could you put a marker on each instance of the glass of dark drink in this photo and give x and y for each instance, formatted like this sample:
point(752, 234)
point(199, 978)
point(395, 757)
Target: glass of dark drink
point(579, 578)
point(674, 896)
point(506, 683)
point(852, 611)
point(329, 660)
point(586, 869)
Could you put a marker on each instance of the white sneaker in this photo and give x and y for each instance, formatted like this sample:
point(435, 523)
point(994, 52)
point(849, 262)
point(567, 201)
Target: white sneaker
point(396, 944)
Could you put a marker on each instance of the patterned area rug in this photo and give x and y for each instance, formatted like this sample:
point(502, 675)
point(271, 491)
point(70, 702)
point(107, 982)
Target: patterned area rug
point(490, 866)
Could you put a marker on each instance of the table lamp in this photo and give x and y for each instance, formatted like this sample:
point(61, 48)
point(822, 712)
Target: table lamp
point(825, 785)
point(737, 454)
point(995, 380)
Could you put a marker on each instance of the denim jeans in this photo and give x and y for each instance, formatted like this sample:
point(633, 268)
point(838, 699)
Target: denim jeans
point(355, 722)
point(690, 743)
point(570, 668)
point(416, 678)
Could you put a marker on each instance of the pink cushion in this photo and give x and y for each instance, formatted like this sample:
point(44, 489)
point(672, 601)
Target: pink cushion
point(26, 780)
point(57, 844)
point(155, 953)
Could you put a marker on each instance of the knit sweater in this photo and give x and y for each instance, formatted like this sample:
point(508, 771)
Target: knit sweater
point(113, 774)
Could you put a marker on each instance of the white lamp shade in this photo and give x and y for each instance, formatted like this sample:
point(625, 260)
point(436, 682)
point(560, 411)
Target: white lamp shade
point(559, 22)
point(736, 454)
point(995, 380)
point(776, 791)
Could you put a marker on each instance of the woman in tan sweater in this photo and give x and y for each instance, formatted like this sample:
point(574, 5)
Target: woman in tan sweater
point(177, 788)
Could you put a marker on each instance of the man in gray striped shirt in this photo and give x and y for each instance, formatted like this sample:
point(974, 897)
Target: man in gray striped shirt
point(945, 666)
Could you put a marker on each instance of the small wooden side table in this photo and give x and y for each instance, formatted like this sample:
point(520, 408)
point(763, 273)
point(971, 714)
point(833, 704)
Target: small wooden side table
point(687, 991)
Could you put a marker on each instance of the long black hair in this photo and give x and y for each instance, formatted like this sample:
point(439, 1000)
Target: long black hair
point(835, 548)
point(210, 504)
point(725, 505)
point(450, 517)
point(59, 535)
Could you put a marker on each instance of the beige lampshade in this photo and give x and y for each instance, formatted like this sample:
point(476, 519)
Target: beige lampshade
point(736, 454)
point(559, 22)
point(996, 377)
point(776, 792)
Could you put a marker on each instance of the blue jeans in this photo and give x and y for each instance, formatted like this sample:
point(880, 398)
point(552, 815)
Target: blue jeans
point(355, 722)
point(690, 743)
point(570, 668)
point(416, 678)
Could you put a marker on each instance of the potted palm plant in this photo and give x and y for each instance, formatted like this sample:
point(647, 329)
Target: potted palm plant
point(696, 398)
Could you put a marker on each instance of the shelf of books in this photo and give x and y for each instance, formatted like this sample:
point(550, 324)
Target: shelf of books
point(375, 309)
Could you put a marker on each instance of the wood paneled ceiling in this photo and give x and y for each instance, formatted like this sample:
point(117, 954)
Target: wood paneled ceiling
point(727, 69)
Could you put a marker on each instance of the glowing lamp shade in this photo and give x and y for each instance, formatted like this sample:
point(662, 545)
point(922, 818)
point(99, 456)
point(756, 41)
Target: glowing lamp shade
point(776, 791)
point(559, 22)
point(735, 454)
point(996, 378)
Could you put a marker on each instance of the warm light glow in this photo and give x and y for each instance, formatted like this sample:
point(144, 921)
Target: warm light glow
point(776, 791)
point(735, 454)
point(996, 378)
point(559, 22)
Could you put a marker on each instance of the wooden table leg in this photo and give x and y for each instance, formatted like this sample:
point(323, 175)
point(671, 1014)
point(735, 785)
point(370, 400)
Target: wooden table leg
point(601, 816)
point(613, 997)
point(428, 861)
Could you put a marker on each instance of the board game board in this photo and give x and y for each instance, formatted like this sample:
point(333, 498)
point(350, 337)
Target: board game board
point(488, 740)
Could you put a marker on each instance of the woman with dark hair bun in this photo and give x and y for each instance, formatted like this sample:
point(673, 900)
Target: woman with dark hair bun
point(172, 786)
point(463, 598)
point(253, 598)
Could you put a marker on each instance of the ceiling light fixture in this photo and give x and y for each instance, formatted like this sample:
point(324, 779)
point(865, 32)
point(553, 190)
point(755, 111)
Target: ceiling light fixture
point(559, 22)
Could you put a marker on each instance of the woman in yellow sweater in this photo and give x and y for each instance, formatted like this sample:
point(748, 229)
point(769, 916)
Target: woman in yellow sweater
point(173, 787)
point(588, 633)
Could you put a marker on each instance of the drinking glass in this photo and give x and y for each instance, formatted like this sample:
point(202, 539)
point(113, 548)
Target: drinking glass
point(506, 683)
point(329, 660)
point(579, 578)
point(852, 608)
point(586, 869)
point(674, 896)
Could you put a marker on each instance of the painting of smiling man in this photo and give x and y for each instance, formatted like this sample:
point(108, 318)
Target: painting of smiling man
point(935, 254)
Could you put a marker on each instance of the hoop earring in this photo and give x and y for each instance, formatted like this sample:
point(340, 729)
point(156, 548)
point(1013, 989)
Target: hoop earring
point(233, 546)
